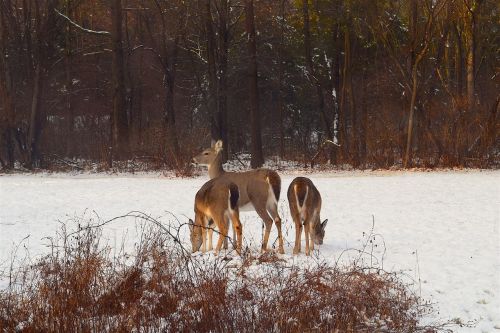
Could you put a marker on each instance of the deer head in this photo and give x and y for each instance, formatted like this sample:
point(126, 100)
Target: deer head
point(195, 235)
point(319, 232)
point(208, 156)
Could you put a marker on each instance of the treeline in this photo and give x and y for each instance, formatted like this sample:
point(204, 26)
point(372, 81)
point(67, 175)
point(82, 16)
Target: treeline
point(367, 83)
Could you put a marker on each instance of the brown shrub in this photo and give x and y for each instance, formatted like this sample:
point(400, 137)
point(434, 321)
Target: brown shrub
point(80, 288)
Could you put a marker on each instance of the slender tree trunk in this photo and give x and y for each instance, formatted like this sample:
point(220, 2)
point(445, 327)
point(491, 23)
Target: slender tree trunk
point(69, 84)
point(223, 35)
point(458, 61)
point(343, 123)
point(120, 134)
point(35, 120)
point(257, 156)
point(280, 79)
point(7, 116)
point(212, 73)
point(470, 59)
point(411, 115)
point(170, 60)
point(312, 74)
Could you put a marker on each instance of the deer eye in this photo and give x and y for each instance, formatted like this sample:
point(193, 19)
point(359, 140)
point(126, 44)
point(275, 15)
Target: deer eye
point(205, 154)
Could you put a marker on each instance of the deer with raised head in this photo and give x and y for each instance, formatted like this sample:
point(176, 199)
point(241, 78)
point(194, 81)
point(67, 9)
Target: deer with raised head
point(305, 206)
point(259, 188)
point(217, 201)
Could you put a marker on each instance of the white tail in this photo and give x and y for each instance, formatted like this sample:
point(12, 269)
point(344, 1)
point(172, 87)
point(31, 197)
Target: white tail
point(260, 187)
point(216, 200)
point(304, 200)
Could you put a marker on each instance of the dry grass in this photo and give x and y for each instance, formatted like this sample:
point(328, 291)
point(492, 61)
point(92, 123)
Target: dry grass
point(80, 287)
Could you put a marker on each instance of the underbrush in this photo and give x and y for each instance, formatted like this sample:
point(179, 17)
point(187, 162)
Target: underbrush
point(81, 287)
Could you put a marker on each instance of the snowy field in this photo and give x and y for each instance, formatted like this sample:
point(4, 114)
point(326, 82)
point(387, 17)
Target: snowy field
point(440, 228)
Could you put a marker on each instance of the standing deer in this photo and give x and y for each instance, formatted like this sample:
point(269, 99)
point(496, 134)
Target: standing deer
point(305, 205)
point(216, 200)
point(260, 188)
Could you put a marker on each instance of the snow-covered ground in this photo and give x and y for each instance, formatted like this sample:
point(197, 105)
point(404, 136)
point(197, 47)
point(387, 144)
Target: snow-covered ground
point(440, 228)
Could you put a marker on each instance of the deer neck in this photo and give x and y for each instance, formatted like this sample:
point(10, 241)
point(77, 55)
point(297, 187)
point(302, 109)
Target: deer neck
point(215, 168)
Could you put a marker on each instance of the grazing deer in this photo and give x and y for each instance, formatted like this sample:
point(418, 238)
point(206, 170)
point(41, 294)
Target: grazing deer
point(305, 205)
point(259, 188)
point(216, 200)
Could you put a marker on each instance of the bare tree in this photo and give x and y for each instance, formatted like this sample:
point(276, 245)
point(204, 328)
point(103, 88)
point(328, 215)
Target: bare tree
point(257, 156)
point(120, 133)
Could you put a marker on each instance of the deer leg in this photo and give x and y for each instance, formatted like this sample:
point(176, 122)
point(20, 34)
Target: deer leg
point(204, 237)
point(273, 210)
point(226, 221)
point(210, 236)
point(222, 232)
point(235, 234)
point(306, 230)
point(268, 222)
point(298, 232)
point(311, 234)
point(237, 228)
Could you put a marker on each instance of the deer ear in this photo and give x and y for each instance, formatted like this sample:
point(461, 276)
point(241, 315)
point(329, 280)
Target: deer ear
point(323, 224)
point(218, 145)
point(191, 223)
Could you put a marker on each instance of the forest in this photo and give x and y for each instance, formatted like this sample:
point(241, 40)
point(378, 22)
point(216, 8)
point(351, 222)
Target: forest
point(363, 83)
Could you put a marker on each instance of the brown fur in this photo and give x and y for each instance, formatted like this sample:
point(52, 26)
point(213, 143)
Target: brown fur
point(275, 181)
point(216, 200)
point(254, 185)
point(304, 200)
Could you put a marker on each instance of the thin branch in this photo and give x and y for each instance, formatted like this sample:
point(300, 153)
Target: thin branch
point(95, 32)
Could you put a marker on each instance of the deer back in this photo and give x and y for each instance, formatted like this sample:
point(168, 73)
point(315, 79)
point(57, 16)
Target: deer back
point(304, 198)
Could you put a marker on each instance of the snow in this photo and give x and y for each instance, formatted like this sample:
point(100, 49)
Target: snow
point(441, 229)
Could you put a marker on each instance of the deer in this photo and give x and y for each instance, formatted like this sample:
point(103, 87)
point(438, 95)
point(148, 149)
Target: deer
point(259, 189)
point(304, 200)
point(217, 201)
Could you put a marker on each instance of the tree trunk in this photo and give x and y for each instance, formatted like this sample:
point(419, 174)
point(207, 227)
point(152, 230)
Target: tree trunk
point(35, 120)
point(212, 73)
point(257, 156)
point(170, 60)
point(312, 74)
point(470, 58)
point(69, 84)
point(7, 116)
point(120, 134)
point(459, 63)
point(223, 35)
point(280, 80)
point(411, 115)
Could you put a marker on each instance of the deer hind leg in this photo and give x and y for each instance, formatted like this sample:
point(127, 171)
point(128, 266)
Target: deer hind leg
point(311, 235)
point(210, 230)
point(222, 225)
point(268, 222)
point(204, 234)
point(307, 231)
point(298, 231)
point(238, 230)
point(273, 210)
point(229, 218)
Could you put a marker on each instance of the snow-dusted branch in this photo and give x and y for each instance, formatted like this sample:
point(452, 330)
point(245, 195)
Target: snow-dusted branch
point(95, 32)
